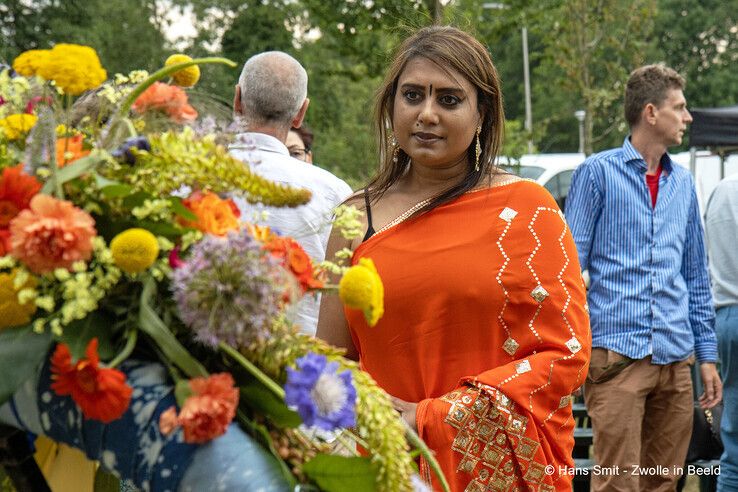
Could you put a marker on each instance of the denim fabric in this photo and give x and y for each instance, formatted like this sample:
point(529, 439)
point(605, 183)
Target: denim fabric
point(726, 325)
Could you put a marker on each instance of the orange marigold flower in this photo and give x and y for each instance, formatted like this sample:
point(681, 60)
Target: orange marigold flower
point(295, 260)
point(207, 413)
point(214, 215)
point(101, 393)
point(16, 190)
point(69, 150)
point(169, 99)
point(51, 234)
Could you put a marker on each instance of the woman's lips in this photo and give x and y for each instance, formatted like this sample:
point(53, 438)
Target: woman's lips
point(426, 137)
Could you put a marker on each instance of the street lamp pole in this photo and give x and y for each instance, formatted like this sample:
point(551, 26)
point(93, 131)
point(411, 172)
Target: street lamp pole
point(579, 115)
point(526, 82)
point(526, 76)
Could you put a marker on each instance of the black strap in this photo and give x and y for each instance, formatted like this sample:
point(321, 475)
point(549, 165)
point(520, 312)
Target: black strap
point(370, 228)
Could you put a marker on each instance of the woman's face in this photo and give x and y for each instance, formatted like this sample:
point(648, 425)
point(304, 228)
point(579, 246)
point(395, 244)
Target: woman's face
point(435, 114)
point(296, 147)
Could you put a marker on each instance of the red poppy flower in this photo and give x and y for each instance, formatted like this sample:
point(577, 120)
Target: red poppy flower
point(101, 393)
point(16, 190)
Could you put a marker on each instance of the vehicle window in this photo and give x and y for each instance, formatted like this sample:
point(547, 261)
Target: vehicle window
point(527, 172)
point(552, 185)
point(564, 185)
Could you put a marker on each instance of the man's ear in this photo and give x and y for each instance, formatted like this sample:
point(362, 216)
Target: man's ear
point(237, 101)
point(649, 114)
point(297, 120)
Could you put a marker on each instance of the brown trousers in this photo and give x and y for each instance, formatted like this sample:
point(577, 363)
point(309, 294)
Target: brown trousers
point(642, 421)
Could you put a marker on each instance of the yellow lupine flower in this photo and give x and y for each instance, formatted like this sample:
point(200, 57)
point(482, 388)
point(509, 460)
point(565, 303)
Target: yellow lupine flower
point(12, 312)
point(17, 125)
point(361, 288)
point(134, 250)
point(29, 62)
point(74, 68)
point(187, 77)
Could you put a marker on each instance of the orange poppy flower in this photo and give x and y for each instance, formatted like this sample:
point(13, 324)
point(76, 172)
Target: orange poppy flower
point(101, 393)
point(169, 99)
point(16, 190)
point(296, 261)
point(207, 413)
point(214, 215)
point(69, 150)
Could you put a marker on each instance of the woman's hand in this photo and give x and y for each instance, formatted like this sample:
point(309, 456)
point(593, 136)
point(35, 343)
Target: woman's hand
point(407, 410)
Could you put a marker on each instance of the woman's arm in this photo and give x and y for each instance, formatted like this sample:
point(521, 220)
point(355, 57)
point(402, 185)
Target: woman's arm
point(332, 324)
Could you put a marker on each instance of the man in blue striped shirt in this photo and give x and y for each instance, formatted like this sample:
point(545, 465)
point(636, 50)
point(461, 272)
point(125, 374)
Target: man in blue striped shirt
point(636, 223)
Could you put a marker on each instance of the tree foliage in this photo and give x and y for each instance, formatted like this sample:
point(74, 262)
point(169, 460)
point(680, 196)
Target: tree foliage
point(581, 52)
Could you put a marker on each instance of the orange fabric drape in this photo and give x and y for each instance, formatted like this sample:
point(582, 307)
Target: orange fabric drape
point(485, 326)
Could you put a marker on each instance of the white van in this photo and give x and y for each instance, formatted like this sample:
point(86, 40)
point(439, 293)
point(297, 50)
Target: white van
point(552, 171)
point(707, 172)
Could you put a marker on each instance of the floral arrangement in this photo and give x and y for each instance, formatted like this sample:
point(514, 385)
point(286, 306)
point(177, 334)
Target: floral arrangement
point(117, 237)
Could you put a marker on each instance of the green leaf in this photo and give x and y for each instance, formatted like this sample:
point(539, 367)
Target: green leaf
point(136, 199)
point(161, 228)
point(105, 481)
point(153, 326)
point(265, 402)
point(182, 391)
point(71, 171)
point(78, 334)
point(102, 182)
point(116, 190)
point(21, 353)
point(339, 473)
point(180, 209)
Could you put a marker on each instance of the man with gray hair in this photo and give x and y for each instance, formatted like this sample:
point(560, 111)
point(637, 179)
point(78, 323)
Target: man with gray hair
point(270, 98)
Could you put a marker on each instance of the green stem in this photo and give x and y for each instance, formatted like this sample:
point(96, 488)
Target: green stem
point(255, 371)
point(416, 441)
point(127, 349)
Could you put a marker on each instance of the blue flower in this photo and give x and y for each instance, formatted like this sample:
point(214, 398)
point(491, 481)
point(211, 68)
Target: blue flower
point(323, 398)
point(124, 150)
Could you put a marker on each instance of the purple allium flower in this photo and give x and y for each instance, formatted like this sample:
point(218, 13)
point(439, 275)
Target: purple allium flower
point(124, 150)
point(323, 397)
point(229, 289)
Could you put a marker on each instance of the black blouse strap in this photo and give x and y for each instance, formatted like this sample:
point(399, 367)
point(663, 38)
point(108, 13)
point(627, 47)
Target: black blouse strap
point(370, 228)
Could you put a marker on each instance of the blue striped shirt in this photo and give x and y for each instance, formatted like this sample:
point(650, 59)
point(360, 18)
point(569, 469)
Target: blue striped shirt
point(650, 289)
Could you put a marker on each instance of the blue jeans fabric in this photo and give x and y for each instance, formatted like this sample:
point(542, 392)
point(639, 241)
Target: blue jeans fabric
point(726, 326)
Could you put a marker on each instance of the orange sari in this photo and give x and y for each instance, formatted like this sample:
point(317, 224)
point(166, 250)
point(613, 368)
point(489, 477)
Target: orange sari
point(485, 326)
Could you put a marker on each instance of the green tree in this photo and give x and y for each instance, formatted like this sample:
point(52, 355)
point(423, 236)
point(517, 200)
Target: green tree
point(125, 33)
point(699, 39)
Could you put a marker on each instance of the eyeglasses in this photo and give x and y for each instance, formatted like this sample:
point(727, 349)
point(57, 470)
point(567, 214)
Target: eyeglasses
point(298, 153)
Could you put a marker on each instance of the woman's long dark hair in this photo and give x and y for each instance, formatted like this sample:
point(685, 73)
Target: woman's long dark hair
point(449, 48)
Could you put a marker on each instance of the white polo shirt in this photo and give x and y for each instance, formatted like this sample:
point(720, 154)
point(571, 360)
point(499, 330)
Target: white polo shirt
point(308, 224)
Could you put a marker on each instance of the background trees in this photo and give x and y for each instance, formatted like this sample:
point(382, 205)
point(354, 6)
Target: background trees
point(581, 52)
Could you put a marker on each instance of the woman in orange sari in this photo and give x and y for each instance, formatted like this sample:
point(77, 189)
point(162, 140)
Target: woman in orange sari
point(485, 333)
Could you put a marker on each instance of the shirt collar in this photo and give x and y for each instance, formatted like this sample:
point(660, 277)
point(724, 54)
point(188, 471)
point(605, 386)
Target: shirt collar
point(261, 142)
point(633, 156)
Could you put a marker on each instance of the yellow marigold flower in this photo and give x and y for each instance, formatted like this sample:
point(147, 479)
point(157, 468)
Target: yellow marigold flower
point(187, 77)
point(134, 250)
point(29, 62)
point(17, 125)
point(74, 68)
point(12, 312)
point(361, 288)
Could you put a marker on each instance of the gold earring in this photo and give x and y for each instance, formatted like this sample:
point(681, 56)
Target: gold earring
point(478, 149)
point(395, 150)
